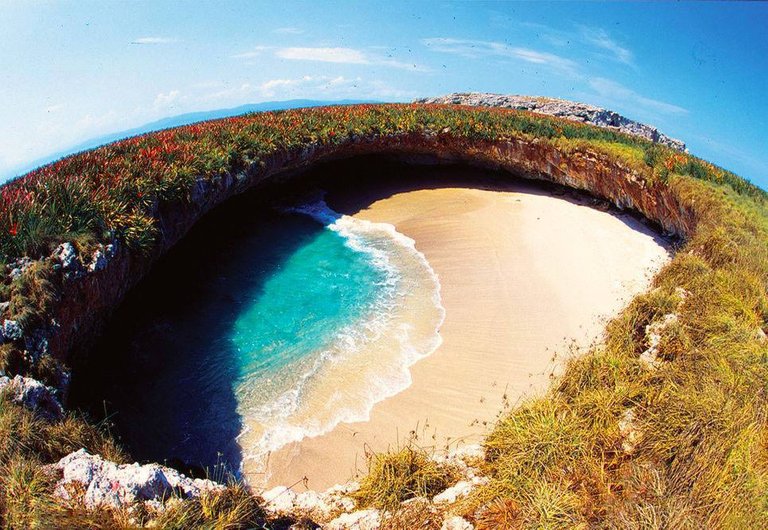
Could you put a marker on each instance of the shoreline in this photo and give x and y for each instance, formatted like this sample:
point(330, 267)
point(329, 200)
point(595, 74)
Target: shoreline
point(371, 356)
point(509, 308)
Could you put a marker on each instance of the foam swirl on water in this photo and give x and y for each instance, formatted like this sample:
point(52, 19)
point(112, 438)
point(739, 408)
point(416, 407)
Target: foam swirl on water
point(365, 361)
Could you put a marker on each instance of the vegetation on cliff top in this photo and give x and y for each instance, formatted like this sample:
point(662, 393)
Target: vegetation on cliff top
point(113, 191)
point(665, 425)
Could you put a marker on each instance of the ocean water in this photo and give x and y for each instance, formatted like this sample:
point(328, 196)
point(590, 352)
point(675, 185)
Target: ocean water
point(261, 330)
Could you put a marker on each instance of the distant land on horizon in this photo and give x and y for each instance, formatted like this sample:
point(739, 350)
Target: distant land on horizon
point(173, 121)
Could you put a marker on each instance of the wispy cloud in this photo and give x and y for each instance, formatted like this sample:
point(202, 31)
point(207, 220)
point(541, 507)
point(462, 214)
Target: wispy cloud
point(166, 100)
point(327, 55)
point(153, 40)
point(288, 31)
point(600, 38)
point(474, 49)
point(732, 151)
point(338, 55)
point(608, 90)
point(612, 91)
point(253, 52)
point(306, 86)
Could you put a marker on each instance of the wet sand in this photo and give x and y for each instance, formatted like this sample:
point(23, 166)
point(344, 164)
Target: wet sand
point(527, 277)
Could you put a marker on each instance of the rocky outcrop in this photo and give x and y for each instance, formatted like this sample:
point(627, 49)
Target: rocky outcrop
point(100, 483)
point(33, 395)
point(360, 520)
point(92, 286)
point(336, 507)
point(570, 110)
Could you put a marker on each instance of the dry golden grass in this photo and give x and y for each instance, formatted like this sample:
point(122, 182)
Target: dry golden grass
point(396, 476)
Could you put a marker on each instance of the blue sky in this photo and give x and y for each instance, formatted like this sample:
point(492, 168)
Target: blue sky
point(70, 71)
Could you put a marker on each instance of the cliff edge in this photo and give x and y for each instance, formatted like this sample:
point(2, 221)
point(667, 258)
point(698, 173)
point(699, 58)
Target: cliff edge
point(570, 110)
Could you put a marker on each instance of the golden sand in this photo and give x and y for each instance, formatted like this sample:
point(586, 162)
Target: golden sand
point(526, 277)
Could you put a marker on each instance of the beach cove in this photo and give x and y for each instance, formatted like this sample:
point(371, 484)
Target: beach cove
point(529, 275)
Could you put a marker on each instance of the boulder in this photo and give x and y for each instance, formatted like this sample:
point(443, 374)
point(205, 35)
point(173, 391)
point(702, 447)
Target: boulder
point(279, 499)
point(360, 520)
point(106, 484)
point(32, 394)
point(12, 331)
point(66, 255)
point(653, 335)
point(313, 503)
point(458, 490)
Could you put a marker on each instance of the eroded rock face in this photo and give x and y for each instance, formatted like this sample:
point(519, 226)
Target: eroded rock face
point(104, 483)
point(11, 331)
point(32, 394)
point(92, 286)
point(561, 108)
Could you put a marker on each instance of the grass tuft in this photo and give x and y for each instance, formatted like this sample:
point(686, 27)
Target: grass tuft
point(396, 476)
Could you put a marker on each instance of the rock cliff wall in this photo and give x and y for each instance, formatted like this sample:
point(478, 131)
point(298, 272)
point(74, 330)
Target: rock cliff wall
point(561, 108)
point(93, 286)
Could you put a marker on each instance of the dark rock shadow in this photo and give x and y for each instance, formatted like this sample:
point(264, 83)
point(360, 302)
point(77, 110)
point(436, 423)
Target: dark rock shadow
point(164, 370)
point(355, 184)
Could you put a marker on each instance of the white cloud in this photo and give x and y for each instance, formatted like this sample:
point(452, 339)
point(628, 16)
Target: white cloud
point(613, 91)
point(474, 49)
point(327, 55)
point(254, 52)
point(321, 86)
point(599, 38)
point(153, 40)
point(163, 101)
point(288, 31)
point(341, 55)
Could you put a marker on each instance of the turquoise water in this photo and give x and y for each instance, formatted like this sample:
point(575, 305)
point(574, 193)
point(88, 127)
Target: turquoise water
point(258, 330)
point(321, 288)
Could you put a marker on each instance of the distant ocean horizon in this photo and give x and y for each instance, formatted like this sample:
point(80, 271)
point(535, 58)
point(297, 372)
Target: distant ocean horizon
point(167, 123)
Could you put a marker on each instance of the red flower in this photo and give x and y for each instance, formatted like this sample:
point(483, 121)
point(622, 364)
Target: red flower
point(14, 229)
point(331, 134)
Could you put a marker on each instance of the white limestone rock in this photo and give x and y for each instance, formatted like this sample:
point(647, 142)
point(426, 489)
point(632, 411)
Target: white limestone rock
point(99, 261)
point(279, 500)
point(569, 110)
point(338, 497)
point(19, 266)
point(629, 431)
point(450, 495)
point(66, 255)
point(314, 503)
point(653, 334)
point(105, 483)
point(456, 523)
point(12, 331)
point(360, 520)
point(32, 394)
point(467, 452)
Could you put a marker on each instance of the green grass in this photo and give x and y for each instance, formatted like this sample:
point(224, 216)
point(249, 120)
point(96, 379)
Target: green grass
point(700, 454)
point(396, 476)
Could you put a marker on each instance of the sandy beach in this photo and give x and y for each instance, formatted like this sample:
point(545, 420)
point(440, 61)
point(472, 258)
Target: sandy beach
point(527, 277)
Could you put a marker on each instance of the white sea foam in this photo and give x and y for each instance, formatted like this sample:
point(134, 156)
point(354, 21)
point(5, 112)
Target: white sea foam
point(282, 419)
